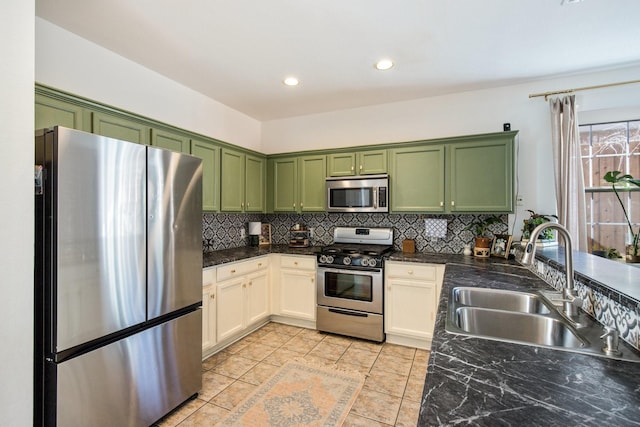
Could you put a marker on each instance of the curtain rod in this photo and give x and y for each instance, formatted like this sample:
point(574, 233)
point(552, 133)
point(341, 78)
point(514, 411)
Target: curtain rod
point(547, 94)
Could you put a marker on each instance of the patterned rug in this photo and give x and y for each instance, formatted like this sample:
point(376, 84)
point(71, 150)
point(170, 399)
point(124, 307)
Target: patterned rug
point(299, 394)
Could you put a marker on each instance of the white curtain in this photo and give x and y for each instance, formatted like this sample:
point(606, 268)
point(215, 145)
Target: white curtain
point(570, 199)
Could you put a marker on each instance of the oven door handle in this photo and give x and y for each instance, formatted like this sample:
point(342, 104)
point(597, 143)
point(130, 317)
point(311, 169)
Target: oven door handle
point(348, 313)
point(362, 271)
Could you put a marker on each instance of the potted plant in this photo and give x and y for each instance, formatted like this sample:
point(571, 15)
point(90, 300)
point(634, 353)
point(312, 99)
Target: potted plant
point(480, 228)
point(615, 177)
point(535, 220)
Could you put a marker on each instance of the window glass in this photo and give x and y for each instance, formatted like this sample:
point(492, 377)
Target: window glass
point(607, 147)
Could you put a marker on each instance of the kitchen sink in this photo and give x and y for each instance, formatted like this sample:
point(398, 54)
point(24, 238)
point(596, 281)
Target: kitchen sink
point(526, 318)
point(518, 327)
point(498, 299)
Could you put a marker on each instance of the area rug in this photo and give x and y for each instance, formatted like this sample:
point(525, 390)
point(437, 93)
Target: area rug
point(299, 394)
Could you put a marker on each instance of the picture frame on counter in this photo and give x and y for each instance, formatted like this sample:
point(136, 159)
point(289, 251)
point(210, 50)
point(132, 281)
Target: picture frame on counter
point(501, 245)
point(265, 235)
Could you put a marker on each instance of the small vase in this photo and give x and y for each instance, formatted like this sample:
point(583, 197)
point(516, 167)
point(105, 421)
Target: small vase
point(467, 250)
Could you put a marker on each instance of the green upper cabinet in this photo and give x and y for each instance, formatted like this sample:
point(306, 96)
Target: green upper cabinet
point(210, 155)
point(170, 141)
point(283, 184)
point(242, 182)
point(367, 162)
point(120, 128)
point(417, 179)
point(255, 172)
point(481, 175)
point(312, 183)
point(53, 112)
point(297, 184)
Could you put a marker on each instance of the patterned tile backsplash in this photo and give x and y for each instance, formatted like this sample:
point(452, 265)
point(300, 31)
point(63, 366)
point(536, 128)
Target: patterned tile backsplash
point(222, 230)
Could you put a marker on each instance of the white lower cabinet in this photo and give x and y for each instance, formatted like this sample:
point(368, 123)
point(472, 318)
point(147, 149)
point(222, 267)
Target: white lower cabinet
point(242, 295)
point(297, 286)
point(208, 309)
point(412, 292)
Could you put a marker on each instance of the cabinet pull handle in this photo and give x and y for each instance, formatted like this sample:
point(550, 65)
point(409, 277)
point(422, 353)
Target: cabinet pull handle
point(312, 280)
point(250, 283)
point(441, 204)
point(295, 262)
point(259, 264)
point(233, 271)
point(242, 205)
point(453, 203)
point(244, 285)
point(294, 206)
point(300, 204)
point(213, 296)
point(352, 168)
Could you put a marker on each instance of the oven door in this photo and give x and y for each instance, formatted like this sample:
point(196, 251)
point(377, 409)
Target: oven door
point(352, 289)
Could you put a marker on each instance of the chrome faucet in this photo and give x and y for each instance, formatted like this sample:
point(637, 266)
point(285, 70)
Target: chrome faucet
point(569, 297)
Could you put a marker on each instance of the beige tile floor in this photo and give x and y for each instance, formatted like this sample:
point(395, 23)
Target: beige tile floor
point(390, 397)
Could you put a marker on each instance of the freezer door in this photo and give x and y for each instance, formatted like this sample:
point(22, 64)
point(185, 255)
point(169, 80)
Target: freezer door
point(174, 185)
point(132, 382)
point(99, 280)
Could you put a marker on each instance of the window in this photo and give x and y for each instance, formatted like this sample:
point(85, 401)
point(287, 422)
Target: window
point(607, 147)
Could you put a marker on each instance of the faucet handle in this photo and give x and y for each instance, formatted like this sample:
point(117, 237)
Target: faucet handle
point(611, 341)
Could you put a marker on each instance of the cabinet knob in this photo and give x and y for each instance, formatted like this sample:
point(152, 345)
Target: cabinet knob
point(295, 262)
point(244, 285)
point(441, 204)
point(294, 206)
point(352, 168)
point(242, 205)
point(453, 203)
point(250, 283)
point(213, 296)
point(301, 204)
point(410, 271)
point(312, 280)
point(360, 168)
point(233, 271)
point(247, 205)
point(259, 264)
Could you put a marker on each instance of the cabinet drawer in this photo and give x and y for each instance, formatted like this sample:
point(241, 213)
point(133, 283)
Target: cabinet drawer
point(411, 271)
point(300, 263)
point(237, 269)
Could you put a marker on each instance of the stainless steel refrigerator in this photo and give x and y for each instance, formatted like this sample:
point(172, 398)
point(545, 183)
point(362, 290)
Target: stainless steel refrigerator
point(118, 280)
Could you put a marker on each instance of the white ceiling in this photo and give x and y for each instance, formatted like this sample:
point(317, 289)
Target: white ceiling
point(239, 51)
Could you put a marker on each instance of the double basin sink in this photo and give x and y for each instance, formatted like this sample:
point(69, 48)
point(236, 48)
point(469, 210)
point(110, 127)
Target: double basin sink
point(524, 318)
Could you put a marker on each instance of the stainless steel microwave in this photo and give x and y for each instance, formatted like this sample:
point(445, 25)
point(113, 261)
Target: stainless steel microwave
point(368, 193)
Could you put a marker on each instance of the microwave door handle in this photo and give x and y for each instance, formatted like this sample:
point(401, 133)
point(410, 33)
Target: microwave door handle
point(375, 197)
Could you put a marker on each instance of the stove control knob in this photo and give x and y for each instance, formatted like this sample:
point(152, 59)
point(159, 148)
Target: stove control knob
point(323, 259)
point(346, 260)
point(365, 262)
point(329, 259)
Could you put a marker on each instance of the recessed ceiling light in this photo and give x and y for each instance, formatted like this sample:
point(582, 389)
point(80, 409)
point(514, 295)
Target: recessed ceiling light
point(291, 81)
point(384, 64)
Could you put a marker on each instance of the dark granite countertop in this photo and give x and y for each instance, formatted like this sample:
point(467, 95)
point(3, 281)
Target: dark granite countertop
point(473, 381)
point(210, 259)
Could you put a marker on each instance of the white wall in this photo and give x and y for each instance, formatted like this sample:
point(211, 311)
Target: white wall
point(73, 64)
point(16, 214)
point(461, 114)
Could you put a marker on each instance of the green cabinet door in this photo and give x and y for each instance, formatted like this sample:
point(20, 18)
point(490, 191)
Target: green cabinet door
point(481, 176)
point(312, 183)
point(51, 112)
point(232, 180)
point(372, 162)
point(341, 164)
point(120, 128)
point(170, 141)
point(284, 177)
point(210, 155)
point(255, 168)
point(417, 179)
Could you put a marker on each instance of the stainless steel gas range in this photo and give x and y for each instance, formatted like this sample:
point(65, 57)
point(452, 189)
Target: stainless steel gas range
point(350, 290)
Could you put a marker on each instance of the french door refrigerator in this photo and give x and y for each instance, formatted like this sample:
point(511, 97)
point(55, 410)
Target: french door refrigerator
point(118, 280)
